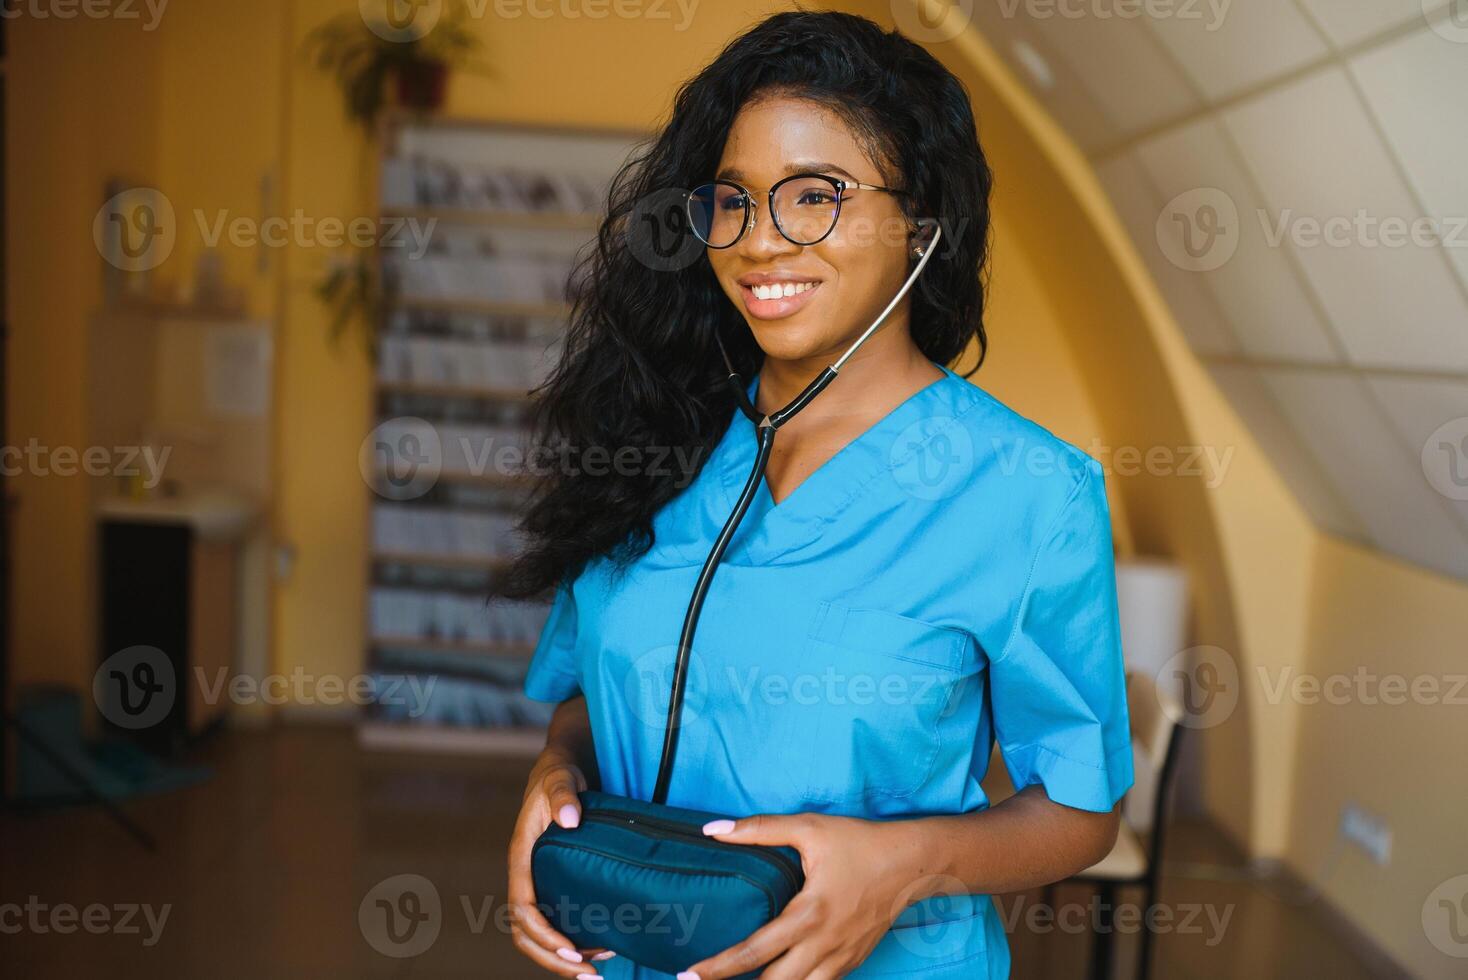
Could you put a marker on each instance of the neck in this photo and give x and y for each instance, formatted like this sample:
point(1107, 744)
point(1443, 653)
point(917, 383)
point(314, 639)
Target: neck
point(888, 368)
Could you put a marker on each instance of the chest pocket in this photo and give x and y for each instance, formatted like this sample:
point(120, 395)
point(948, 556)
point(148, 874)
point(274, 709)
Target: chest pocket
point(884, 686)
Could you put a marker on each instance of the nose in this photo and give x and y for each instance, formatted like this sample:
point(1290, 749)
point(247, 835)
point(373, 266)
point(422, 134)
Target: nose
point(764, 241)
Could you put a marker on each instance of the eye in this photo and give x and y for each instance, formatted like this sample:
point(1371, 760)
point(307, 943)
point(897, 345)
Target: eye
point(812, 196)
point(733, 201)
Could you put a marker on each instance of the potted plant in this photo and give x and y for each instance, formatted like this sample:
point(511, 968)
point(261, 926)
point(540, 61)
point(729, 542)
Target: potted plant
point(367, 57)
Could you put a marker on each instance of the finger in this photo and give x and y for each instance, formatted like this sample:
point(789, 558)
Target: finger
point(797, 963)
point(766, 943)
point(560, 788)
point(559, 965)
point(523, 909)
point(834, 967)
point(768, 829)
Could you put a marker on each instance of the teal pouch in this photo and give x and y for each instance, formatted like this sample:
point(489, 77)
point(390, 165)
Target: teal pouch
point(641, 879)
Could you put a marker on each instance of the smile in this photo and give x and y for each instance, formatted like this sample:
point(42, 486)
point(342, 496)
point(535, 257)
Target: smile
point(771, 301)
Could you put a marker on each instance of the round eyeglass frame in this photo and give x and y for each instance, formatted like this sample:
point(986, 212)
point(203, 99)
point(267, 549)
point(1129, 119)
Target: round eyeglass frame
point(751, 208)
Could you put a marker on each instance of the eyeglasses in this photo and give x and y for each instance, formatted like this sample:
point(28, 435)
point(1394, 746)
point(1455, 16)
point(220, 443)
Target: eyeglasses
point(804, 206)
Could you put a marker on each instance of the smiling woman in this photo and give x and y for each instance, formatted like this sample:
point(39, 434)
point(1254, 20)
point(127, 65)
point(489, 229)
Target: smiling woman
point(894, 602)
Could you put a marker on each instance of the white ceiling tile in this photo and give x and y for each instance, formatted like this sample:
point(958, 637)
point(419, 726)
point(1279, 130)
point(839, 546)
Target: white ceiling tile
point(1431, 416)
point(1138, 205)
point(1267, 305)
point(1229, 47)
point(1415, 88)
point(1329, 184)
point(1377, 477)
point(1066, 96)
point(1124, 68)
point(1252, 399)
point(1349, 21)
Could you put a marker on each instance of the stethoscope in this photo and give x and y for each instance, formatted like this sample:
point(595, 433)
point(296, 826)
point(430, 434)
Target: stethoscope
point(765, 428)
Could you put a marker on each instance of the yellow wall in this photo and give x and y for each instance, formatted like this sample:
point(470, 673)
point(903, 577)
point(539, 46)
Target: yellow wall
point(80, 98)
point(1403, 762)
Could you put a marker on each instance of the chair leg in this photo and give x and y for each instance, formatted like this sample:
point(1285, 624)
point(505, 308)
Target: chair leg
point(1144, 947)
point(1103, 943)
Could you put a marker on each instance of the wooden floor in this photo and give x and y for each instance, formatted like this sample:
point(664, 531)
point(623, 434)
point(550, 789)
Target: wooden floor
point(263, 869)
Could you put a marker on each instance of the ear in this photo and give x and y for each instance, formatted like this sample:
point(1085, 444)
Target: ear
point(924, 236)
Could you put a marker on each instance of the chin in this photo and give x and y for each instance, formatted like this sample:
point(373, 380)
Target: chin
point(788, 340)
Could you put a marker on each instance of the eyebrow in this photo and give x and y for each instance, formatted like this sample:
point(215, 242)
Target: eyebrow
point(795, 167)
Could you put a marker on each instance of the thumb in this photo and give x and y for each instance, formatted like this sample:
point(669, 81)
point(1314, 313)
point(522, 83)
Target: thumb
point(560, 789)
point(768, 829)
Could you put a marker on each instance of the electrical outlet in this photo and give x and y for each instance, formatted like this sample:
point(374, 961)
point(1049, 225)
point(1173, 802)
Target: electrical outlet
point(1367, 831)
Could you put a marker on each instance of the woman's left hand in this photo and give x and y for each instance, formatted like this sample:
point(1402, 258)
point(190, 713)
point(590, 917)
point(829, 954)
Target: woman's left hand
point(857, 879)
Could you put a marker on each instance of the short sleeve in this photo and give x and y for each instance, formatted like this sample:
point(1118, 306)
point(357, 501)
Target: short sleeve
point(552, 674)
point(1058, 688)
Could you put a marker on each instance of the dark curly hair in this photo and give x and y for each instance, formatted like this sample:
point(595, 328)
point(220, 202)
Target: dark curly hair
point(641, 372)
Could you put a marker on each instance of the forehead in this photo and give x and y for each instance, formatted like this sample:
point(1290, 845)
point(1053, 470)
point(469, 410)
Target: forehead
point(773, 136)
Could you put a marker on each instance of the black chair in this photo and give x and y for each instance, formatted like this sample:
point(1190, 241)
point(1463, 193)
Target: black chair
point(1136, 859)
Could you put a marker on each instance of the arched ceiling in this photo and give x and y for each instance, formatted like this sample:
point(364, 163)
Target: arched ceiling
point(1295, 173)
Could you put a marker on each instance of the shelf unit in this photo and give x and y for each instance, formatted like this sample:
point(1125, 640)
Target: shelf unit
point(469, 327)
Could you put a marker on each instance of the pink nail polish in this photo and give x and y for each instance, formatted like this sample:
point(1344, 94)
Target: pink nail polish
point(710, 829)
point(569, 955)
point(689, 974)
point(588, 976)
point(570, 817)
point(605, 954)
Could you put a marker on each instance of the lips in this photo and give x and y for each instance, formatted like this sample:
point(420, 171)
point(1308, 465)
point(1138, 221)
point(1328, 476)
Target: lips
point(774, 297)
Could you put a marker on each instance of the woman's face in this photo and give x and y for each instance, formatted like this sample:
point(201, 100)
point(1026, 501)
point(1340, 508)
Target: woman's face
point(848, 277)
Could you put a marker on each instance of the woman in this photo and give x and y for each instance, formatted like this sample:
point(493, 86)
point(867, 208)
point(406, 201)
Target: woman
point(924, 572)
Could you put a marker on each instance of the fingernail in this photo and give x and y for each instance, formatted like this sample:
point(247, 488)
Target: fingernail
point(710, 829)
point(569, 955)
point(570, 817)
point(588, 976)
point(689, 974)
point(605, 954)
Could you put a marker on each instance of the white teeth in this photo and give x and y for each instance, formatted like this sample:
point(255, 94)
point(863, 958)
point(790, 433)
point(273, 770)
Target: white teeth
point(781, 289)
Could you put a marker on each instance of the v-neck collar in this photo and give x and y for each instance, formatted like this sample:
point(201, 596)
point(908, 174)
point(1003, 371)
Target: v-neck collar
point(771, 531)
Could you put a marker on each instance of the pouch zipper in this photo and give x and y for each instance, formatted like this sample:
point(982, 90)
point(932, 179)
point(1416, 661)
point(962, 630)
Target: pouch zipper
point(669, 830)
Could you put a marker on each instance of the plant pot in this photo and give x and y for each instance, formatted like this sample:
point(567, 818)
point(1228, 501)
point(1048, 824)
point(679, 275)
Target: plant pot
point(422, 85)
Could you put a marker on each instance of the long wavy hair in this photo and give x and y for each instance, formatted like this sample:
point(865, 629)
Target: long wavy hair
point(641, 378)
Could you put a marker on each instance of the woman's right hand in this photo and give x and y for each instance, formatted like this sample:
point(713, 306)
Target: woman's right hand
point(550, 794)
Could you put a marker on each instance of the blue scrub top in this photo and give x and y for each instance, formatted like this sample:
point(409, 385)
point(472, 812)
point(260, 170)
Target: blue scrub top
point(943, 582)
